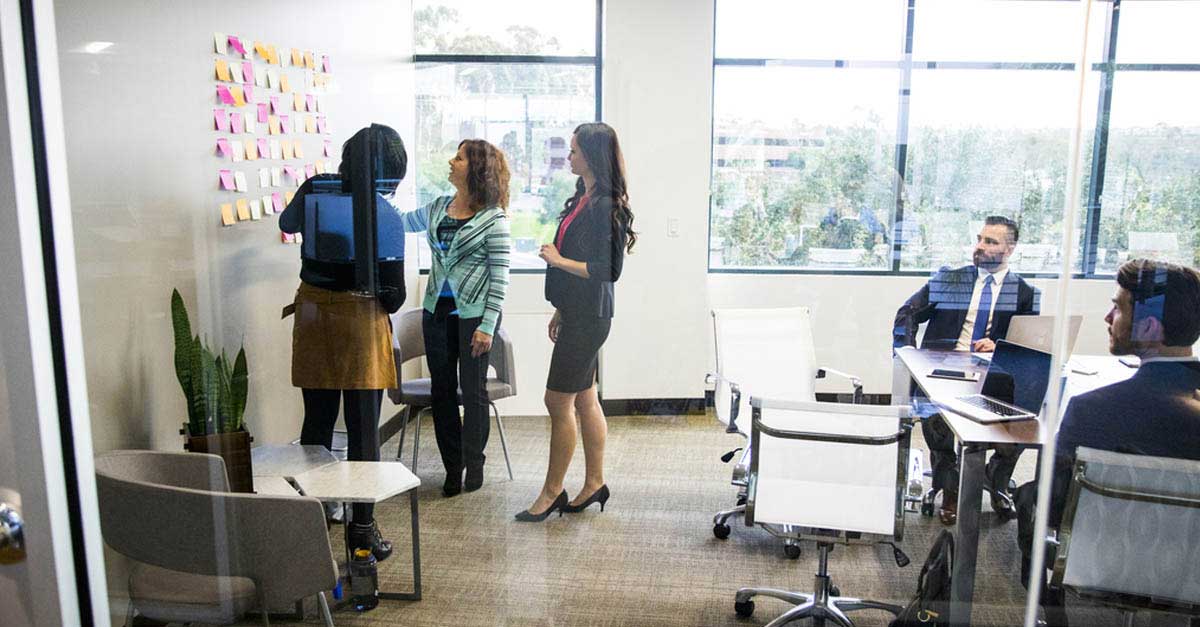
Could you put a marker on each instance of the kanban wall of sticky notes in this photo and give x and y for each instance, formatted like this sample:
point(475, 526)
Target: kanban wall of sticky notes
point(270, 125)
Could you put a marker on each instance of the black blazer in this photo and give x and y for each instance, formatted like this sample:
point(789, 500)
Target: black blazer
point(592, 239)
point(944, 300)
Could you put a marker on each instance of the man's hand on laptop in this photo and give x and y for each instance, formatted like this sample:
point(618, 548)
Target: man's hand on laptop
point(983, 345)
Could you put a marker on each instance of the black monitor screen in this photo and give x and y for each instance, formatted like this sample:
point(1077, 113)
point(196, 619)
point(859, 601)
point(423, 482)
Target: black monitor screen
point(1018, 375)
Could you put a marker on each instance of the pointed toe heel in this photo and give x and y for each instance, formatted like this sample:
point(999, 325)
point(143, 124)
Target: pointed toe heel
point(559, 504)
point(599, 496)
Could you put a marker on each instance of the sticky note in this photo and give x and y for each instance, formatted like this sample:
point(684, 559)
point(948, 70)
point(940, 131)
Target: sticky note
point(236, 122)
point(256, 212)
point(221, 120)
point(298, 238)
point(276, 177)
point(219, 43)
point(262, 111)
point(321, 124)
point(227, 214)
point(276, 149)
point(264, 177)
point(310, 171)
point(320, 105)
point(236, 44)
point(243, 209)
point(239, 97)
point(298, 150)
point(297, 127)
point(320, 167)
point(310, 124)
point(223, 71)
point(308, 60)
point(283, 124)
point(223, 148)
point(258, 47)
point(297, 57)
point(223, 95)
point(283, 84)
point(273, 125)
point(260, 76)
point(277, 201)
point(266, 204)
point(325, 65)
point(287, 149)
point(288, 196)
point(272, 78)
point(291, 172)
point(272, 55)
point(310, 102)
point(328, 148)
point(239, 151)
point(297, 102)
point(227, 180)
point(264, 150)
point(274, 104)
point(250, 124)
point(309, 81)
point(248, 89)
point(239, 179)
point(251, 149)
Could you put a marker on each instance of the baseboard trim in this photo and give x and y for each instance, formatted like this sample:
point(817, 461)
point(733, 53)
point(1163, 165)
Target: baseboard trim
point(828, 397)
point(653, 406)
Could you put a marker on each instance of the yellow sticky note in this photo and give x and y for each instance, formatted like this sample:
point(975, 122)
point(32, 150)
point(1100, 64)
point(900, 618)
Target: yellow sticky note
point(297, 101)
point(261, 50)
point(287, 148)
point(251, 149)
point(243, 209)
point(272, 55)
point(299, 150)
point(309, 62)
point(283, 84)
point(223, 71)
point(239, 97)
point(310, 124)
point(273, 124)
point(287, 197)
point(227, 214)
point(297, 59)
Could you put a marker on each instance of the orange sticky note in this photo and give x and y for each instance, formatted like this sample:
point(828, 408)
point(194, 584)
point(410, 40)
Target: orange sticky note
point(297, 101)
point(223, 71)
point(299, 150)
point(273, 125)
point(239, 97)
point(310, 124)
point(297, 59)
point(287, 148)
point(251, 149)
point(227, 214)
point(309, 62)
point(272, 55)
point(287, 197)
point(260, 49)
point(283, 84)
point(243, 209)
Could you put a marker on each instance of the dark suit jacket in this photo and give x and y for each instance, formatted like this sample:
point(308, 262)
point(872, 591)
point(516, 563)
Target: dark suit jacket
point(943, 303)
point(590, 238)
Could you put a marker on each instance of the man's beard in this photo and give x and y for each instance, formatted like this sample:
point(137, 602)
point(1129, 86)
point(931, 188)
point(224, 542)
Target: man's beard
point(985, 261)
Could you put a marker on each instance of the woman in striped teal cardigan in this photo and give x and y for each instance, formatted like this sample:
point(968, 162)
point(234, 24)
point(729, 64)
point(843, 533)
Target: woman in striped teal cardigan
point(469, 237)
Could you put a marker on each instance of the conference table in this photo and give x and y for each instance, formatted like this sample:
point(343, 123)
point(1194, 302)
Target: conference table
point(1084, 373)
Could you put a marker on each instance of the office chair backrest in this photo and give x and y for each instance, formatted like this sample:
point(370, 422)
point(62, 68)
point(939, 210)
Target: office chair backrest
point(767, 352)
point(407, 337)
point(1131, 526)
point(501, 359)
point(847, 485)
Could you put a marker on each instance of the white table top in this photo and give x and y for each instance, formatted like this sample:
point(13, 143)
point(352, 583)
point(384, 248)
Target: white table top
point(274, 486)
point(357, 482)
point(288, 460)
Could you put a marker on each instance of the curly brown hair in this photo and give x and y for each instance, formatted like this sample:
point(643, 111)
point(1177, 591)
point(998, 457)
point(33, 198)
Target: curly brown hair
point(487, 175)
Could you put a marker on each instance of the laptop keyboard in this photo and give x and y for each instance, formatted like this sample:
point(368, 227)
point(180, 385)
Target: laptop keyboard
point(987, 404)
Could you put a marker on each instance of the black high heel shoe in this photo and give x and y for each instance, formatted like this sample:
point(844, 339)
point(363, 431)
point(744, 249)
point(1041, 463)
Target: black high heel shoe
point(559, 504)
point(599, 496)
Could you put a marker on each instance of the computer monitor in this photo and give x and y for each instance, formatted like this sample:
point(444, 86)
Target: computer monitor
point(1038, 332)
point(1018, 375)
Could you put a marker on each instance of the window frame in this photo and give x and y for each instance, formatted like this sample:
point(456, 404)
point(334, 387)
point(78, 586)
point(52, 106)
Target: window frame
point(1106, 69)
point(596, 62)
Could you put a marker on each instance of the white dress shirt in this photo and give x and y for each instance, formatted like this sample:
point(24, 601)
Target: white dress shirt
point(968, 328)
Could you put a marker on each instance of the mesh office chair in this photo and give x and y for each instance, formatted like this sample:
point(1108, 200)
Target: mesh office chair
point(1129, 534)
point(408, 342)
point(768, 353)
point(831, 473)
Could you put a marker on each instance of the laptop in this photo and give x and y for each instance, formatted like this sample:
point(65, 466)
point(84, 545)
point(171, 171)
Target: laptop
point(1038, 332)
point(1013, 388)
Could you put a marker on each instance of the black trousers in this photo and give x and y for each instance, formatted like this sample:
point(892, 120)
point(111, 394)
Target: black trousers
point(943, 458)
point(361, 414)
point(451, 367)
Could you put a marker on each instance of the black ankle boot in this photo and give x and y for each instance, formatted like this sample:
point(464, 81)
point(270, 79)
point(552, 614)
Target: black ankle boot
point(474, 478)
point(453, 484)
point(367, 536)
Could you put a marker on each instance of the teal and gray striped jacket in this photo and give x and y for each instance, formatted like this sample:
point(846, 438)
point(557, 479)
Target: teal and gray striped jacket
point(476, 265)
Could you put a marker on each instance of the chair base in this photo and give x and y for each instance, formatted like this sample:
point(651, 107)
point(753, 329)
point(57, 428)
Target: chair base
point(823, 604)
point(417, 435)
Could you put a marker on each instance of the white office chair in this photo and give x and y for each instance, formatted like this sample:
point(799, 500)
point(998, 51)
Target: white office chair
point(768, 353)
point(1129, 533)
point(832, 473)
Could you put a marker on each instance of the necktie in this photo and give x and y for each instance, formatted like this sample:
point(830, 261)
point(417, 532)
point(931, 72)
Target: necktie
point(985, 307)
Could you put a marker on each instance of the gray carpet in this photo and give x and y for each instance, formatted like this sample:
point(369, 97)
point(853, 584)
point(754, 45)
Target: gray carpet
point(651, 558)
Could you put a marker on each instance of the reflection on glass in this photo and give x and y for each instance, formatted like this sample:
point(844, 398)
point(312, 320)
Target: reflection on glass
point(986, 30)
point(802, 167)
point(1163, 31)
point(811, 29)
point(539, 27)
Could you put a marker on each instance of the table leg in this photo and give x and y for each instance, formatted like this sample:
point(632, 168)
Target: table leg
point(966, 546)
point(901, 383)
point(415, 595)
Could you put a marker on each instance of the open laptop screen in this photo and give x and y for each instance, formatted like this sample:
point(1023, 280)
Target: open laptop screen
point(1018, 376)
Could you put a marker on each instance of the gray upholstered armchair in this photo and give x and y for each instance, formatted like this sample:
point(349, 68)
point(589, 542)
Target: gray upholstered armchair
point(201, 553)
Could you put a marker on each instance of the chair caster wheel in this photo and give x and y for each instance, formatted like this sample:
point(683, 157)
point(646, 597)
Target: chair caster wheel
point(744, 609)
point(721, 531)
point(792, 551)
point(927, 510)
point(741, 500)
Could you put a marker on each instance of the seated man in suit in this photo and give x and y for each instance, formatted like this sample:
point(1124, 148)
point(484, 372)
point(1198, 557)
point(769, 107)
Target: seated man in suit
point(968, 309)
point(1156, 316)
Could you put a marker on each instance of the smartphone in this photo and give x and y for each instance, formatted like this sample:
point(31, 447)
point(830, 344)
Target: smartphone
point(956, 375)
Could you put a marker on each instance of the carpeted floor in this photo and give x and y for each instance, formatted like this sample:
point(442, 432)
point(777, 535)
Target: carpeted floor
point(651, 558)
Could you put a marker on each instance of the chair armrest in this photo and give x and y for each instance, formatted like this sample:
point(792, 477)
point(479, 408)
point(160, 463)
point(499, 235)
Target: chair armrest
point(854, 381)
point(758, 427)
point(735, 399)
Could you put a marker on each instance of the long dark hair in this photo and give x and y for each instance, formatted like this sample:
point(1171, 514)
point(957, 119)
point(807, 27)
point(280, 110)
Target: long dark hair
point(598, 143)
point(487, 175)
point(391, 159)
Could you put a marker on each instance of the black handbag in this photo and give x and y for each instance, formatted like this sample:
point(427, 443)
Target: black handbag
point(931, 605)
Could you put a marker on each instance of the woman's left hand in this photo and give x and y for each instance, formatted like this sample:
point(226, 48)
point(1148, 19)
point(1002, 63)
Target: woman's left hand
point(550, 253)
point(480, 343)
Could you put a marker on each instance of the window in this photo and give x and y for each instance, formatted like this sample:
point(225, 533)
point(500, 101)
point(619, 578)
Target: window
point(880, 139)
point(520, 75)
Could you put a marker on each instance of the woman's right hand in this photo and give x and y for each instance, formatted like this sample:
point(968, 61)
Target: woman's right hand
point(555, 324)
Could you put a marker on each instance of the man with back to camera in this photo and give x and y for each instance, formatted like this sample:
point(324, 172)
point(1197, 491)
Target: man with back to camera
point(1155, 315)
point(968, 309)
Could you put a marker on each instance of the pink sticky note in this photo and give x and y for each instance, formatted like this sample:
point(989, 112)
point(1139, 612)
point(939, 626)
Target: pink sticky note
point(310, 171)
point(310, 102)
point(247, 71)
point(321, 124)
point(224, 95)
point(325, 64)
point(262, 111)
point(223, 147)
point(274, 106)
point(236, 44)
point(328, 146)
point(290, 171)
point(285, 124)
point(277, 200)
point(227, 180)
point(248, 89)
point(237, 122)
point(221, 119)
point(263, 148)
